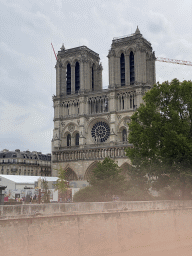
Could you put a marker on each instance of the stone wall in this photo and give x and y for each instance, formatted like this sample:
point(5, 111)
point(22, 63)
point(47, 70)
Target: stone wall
point(26, 210)
point(135, 233)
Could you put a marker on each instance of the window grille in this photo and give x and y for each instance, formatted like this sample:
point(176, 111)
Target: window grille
point(122, 67)
point(124, 135)
point(132, 69)
point(77, 139)
point(77, 77)
point(68, 78)
point(68, 140)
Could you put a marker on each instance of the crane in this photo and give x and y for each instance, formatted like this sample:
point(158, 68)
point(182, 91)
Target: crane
point(54, 51)
point(173, 61)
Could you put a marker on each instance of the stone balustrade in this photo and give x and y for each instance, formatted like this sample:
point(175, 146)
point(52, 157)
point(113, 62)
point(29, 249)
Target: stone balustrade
point(89, 154)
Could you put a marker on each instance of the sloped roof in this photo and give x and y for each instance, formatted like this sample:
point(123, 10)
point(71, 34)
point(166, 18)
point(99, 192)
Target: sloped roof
point(21, 179)
point(25, 154)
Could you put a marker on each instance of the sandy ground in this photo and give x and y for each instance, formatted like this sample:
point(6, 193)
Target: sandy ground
point(185, 250)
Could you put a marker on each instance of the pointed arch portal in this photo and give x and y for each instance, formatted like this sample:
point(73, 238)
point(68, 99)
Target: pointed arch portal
point(70, 174)
point(89, 171)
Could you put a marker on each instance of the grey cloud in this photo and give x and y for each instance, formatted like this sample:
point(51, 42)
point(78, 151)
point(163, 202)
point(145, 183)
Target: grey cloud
point(21, 119)
point(28, 29)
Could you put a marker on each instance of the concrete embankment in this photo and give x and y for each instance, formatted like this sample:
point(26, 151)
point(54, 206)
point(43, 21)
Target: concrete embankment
point(120, 232)
point(26, 210)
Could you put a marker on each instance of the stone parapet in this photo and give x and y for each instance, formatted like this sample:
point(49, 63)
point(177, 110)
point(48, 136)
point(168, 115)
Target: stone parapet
point(15, 211)
point(70, 154)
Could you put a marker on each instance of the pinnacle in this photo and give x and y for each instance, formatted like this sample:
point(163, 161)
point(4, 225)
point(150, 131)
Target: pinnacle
point(62, 47)
point(137, 31)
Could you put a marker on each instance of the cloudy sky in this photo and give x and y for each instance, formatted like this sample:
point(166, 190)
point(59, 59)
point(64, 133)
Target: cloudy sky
point(27, 74)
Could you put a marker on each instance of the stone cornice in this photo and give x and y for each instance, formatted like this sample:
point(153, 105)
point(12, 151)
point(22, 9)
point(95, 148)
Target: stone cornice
point(92, 147)
point(130, 40)
point(81, 50)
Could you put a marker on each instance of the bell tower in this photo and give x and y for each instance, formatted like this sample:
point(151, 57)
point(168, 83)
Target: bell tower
point(77, 70)
point(131, 61)
point(91, 123)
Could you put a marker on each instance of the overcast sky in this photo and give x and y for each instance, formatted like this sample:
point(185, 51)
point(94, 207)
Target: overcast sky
point(27, 73)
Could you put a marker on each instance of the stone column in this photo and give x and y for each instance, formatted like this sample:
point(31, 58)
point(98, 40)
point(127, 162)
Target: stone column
point(111, 102)
point(86, 74)
point(112, 68)
point(88, 77)
point(99, 77)
point(81, 105)
point(140, 66)
point(82, 75)
point(117, 69)
point(63, 80)
point(58, 79)
point(86, 106)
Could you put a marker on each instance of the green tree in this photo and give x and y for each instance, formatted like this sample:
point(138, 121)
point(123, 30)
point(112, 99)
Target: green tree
point(106, 181)
point(88, 194)
point(46, 191)
point(62, 184)
point(161, 133)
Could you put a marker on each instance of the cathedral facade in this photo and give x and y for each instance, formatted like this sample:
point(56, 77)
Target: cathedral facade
point(91, 123)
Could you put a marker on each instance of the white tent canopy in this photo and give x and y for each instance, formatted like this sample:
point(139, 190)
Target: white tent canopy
point(20, 181)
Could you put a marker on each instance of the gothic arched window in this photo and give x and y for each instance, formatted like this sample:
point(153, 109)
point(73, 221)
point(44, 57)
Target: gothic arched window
point(68, 140)
point(124, 135)
point(77, 77)
point(132, 70)
point(92, 79)
point(70, 174)
point(77, 139)
point(68, 78)
point(122, 69)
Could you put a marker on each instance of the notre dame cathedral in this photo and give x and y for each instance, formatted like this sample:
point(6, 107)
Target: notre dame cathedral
point(91, 123)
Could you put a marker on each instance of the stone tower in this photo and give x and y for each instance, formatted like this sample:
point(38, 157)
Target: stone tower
point(90, 123)
point(131, 61)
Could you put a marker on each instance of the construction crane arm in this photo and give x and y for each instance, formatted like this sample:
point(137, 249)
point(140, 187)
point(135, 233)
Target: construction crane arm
point(54, 51)
point(180, 62)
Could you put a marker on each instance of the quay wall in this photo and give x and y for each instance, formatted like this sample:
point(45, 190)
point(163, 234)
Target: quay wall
point(11, 211)
point(123, 232)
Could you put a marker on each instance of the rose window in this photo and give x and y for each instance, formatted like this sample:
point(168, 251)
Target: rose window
point(100, 132)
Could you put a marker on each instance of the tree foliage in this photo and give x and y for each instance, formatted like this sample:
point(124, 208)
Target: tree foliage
point(161, 133)
point(88, 194)
point(46, 191)
point(107, 181)
point(61, 183)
